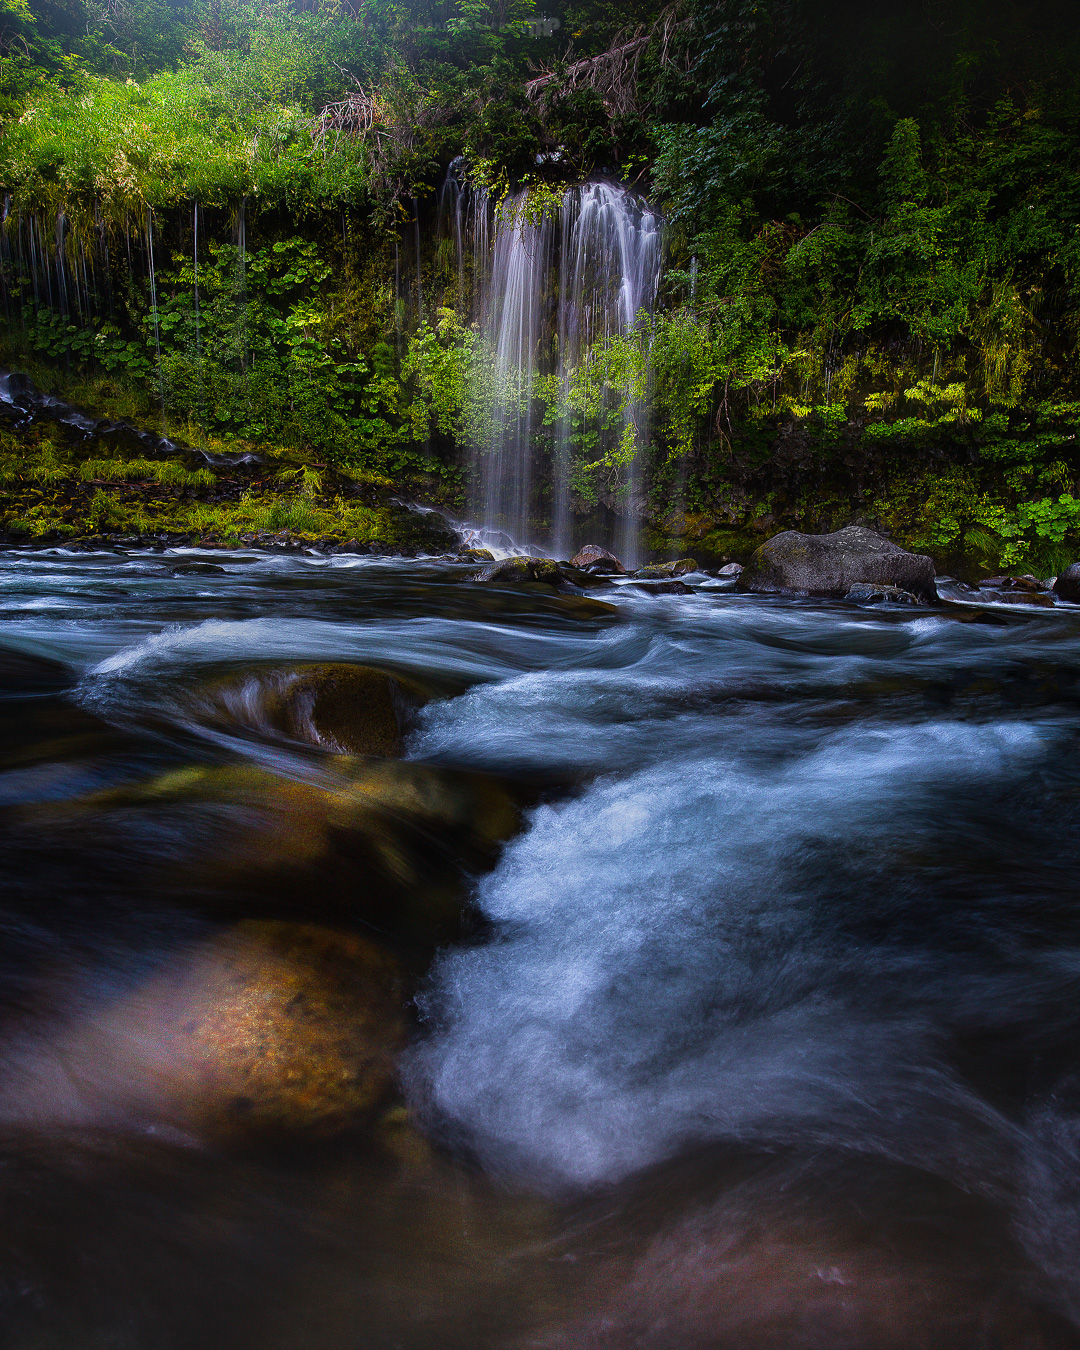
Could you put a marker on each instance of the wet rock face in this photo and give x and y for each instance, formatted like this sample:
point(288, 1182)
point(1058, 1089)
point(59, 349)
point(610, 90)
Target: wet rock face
point(351, 708)
point(830, 564)
point(21, 672)
point(663, 571)
point(1067, 585)
point(599, 559)
point(389, 843)
point(669, 587)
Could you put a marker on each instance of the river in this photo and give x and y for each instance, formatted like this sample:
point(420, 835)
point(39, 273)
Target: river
point(738, 951)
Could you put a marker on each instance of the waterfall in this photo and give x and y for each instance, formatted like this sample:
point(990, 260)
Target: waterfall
point(519, 292)
point(560, 288)
point(609, 275)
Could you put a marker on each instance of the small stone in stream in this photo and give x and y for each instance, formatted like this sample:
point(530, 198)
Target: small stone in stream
point(522, 569)
point(1027, 598)
point(483, 555)
point(662, 571)
point(729, 570)
point(870, 594)
point(597, 558)
point(196, 569)
point(663, 587)
point(829, 564)
point(1067, 584)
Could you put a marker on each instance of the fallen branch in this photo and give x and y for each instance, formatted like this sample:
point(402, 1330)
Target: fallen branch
point(612, 74)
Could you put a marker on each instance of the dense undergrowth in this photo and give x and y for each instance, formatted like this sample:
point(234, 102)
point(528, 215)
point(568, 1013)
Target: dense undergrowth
point(228, 214)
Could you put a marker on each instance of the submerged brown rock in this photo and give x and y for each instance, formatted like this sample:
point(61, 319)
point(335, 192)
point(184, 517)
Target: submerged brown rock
point(345, 708)
point(277, 1028)
point(382, 841)
point(267, 1031)
point(661, 571)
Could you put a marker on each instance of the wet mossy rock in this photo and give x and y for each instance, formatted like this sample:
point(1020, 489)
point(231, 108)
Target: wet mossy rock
point(349, 708)
point(522, 569)
point(664, 571)
point(387, 843)
point(830, 564)
point(271, 1030)
point(344, 708)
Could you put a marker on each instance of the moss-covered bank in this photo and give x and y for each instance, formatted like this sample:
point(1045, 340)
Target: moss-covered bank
point(62, 483)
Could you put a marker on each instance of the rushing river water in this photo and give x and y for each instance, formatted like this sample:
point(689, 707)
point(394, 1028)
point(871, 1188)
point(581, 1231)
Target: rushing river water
point(762, 1028)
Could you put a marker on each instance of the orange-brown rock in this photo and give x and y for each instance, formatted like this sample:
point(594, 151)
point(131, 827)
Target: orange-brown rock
point(267, 1031)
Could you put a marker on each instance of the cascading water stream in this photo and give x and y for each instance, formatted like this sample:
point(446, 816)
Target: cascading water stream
point(519, 292)
point(551, 293)
point(611, 267)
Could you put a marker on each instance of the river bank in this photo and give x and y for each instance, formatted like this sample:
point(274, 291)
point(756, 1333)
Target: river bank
point(967, 498)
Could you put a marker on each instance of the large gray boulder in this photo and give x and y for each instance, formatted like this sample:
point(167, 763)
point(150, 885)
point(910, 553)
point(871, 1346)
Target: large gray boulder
point(1067, 584)
point(830, 564)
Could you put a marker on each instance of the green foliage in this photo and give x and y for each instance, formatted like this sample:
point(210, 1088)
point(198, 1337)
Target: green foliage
point(872, 241)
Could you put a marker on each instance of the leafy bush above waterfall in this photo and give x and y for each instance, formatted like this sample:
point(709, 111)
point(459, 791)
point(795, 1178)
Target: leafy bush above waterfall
point(267, 219)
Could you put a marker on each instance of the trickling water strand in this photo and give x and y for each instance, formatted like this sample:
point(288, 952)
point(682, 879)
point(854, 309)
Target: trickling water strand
point(33, 264)
point(86, 283)
point(5, 256)
point(198, 329)
point(419, 277)
point(154, 313)
point(241, 265)
point(22, 268)
point(61, 270)
point(43, 256)
point(398, 303)
point(450, 221)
